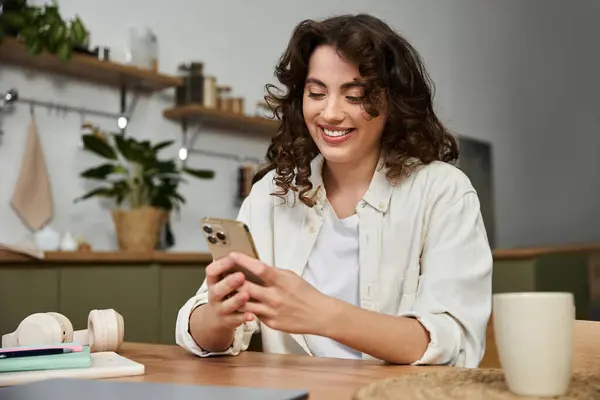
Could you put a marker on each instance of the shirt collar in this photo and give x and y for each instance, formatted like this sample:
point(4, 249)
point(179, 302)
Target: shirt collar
point(378, 194)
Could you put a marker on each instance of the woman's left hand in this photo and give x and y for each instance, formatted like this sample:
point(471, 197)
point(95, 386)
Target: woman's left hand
point(286, 302)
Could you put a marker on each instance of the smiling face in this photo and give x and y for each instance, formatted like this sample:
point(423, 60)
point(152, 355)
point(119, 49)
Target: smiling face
point(333, 111)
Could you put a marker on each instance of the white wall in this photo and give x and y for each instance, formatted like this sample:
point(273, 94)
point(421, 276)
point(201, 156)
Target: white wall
point(520, 74)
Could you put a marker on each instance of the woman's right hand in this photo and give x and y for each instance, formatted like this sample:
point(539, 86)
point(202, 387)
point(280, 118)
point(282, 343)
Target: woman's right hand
point(223, 299)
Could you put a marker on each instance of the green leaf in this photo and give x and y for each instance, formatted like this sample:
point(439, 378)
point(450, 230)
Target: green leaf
point(102, 171)
point(163, 203)
point(78, 31)
point(64, 51)
point(13, 20)
point(14, 5)
point(33, 15)
point(200, 173)
point(98, 192)
point(98, 146)
point(166, 167)
point(124, 147)
point(162, 169)
point(179, 197)
point(29, 34)
point(121, 190)
point(35, 47)
point(58, 32)
point(162, 145)
point(134, 151)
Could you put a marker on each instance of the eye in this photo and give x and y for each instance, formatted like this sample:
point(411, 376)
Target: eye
point(315, 95)
point(355, 99)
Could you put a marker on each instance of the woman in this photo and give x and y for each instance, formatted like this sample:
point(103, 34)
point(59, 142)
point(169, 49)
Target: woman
point(377, 241)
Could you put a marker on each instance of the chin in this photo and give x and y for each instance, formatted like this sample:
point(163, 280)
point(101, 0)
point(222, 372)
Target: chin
point(336, 155)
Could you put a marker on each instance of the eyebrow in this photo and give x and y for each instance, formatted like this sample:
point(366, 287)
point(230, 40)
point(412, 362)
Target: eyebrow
point(347, 85)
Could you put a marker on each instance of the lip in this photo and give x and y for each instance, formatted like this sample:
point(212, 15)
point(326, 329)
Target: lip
point(334, 127)
point(334, 140)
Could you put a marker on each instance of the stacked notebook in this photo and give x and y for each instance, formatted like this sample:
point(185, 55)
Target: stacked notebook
point(50, 357)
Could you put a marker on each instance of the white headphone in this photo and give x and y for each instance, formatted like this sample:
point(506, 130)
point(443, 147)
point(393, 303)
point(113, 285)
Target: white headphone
point(104, 331)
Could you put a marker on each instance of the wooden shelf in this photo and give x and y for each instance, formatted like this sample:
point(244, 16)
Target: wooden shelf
point(65, 258)
point(222, 119)
point(87, 68)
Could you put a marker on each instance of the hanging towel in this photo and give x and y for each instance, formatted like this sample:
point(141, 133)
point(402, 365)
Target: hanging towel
point(32, 197)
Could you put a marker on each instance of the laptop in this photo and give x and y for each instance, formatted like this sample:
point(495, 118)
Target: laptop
point(76, 389)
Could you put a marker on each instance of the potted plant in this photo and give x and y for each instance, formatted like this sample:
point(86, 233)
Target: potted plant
point(145, 188)
point(42, 28)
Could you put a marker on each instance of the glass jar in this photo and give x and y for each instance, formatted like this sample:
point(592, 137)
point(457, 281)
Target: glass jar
point(192, 90)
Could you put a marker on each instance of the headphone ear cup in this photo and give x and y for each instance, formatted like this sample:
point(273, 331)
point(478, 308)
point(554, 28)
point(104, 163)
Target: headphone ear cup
point(105, 330)
point(66, 327)
point(39, 329)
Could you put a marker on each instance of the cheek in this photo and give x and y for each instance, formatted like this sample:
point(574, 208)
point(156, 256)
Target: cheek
point(373, 127)
point(310, 110)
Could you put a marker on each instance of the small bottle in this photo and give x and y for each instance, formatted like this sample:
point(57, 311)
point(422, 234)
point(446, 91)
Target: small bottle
point(210, 92)
point(68, 242)
point(152, 43)
point(224, 102)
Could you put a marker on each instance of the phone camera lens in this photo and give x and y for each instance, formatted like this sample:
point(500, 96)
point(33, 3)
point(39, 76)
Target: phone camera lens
point(207, 229)
point(221, 236)
point(212, 239)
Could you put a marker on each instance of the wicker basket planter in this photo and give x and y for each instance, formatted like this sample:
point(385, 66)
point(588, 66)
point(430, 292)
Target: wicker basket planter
point(138, 229)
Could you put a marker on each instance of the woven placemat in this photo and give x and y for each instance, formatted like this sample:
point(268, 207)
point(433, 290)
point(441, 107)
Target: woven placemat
point(465, 384)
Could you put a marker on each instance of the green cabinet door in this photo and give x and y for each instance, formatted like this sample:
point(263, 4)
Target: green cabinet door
point(178, 284)
point(25, 290)
point(132, 290)
point(514, 275)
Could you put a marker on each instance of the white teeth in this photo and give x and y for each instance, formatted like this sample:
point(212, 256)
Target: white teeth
point(336, 133)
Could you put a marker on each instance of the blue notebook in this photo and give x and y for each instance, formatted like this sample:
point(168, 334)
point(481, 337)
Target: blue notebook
point(80, 359)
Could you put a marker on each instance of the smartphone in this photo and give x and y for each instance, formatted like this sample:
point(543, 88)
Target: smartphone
point(227, 235)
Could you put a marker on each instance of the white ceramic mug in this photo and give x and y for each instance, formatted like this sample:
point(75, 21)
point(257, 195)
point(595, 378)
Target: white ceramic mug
point(534, 336)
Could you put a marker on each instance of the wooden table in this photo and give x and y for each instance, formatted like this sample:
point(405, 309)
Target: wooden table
point(323, 378)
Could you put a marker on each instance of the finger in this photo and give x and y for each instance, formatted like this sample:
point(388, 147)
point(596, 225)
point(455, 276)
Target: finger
point(256, 292)
point(217, 268)
point(236, 319)
point(259, 309)
point(233, 320)
point(233, 304)
point(225, 286)
point(254, 265)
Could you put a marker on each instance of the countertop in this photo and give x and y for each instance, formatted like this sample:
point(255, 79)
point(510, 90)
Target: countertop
point(203, 258)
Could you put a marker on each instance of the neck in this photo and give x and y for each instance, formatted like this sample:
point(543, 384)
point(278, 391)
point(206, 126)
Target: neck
point(355, 177)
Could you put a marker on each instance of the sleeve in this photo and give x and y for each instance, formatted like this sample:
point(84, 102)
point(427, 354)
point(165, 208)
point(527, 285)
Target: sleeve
point(454, 297)
point(242, 334)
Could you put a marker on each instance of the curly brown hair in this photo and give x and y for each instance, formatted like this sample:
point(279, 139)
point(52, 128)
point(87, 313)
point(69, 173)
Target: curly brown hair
point(395, 80)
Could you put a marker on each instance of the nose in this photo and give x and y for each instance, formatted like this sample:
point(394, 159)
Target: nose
point(332, 112)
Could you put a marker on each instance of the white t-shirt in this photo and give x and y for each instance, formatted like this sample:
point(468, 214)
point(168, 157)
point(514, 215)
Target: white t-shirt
point(333, 269)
